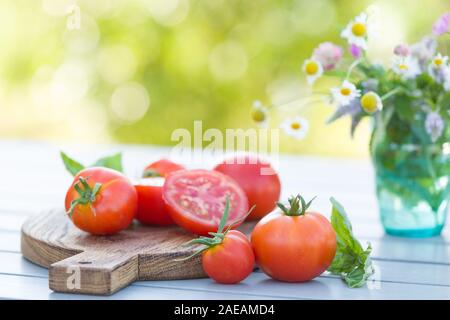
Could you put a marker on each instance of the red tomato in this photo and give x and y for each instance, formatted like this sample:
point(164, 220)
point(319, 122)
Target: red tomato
point(231, 261)
point(196, 199)
point(294, 248)
point(151, 207)
point(259, 181)
point(103, 201)
point(161, 168)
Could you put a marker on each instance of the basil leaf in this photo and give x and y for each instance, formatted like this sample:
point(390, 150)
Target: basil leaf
point(71, 165)
point(112, 162)
point(351, 261)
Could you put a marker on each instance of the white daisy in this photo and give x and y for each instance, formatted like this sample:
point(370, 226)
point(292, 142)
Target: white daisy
point(313, 69)
point(358, 31)
point(437, 66)
point(345, 93)
point(296, 127)
point(371, 102)
point(260, 114)
point(439, 61)
point(406, 67)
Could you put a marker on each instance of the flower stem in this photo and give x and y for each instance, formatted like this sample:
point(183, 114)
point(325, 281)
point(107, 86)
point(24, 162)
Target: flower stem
point(352, 66)
point(391, 93)
point(302, 100)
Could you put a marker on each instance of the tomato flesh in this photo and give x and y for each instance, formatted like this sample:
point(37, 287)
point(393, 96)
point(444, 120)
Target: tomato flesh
point(231, 261)
point(114, 207)
point(196, 199)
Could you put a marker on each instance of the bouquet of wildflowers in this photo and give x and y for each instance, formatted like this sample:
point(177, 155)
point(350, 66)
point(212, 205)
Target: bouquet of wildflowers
point(409, 104)
point(408, 100)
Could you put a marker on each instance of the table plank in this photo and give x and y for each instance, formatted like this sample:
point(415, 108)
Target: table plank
point(392, 276)
point(387, 271)
point(20, 287)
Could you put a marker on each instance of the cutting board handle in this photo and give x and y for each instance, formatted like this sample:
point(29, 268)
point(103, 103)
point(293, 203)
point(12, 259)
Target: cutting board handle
point(96, 272)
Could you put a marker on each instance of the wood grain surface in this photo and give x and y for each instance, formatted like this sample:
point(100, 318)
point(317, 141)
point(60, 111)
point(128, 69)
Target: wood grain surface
point(82, 263)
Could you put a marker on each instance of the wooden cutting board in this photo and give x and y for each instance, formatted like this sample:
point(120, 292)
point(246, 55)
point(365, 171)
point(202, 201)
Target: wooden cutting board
point(82, 263)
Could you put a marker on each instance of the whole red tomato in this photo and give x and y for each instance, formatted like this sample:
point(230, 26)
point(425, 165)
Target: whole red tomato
point(259, 181)
point(227, 255)
point(151, 207)
point(294, 245)
point(101, 201)
point(196, 199)
point(161, 168)
point(231, 261)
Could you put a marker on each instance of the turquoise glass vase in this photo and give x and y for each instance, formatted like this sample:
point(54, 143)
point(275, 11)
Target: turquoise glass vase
point(412, 186)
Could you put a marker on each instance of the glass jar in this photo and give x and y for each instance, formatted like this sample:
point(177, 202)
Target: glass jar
point(412, 186)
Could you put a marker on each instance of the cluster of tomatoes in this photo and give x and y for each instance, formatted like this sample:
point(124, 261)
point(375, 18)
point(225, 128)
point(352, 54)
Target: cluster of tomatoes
point(289, 244)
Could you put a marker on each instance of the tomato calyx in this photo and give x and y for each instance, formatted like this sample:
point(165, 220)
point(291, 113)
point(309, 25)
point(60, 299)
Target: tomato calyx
point(297, 206)
point(87, 194)
point(217, 237)
point(151, 173)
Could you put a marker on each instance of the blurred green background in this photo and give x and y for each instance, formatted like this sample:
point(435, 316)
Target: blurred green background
point(136, 70)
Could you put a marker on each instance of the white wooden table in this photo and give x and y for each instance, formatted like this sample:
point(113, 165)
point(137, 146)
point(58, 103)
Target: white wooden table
point(33, 179)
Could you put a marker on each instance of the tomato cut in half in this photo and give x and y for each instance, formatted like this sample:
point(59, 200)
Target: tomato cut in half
point(151, 207)
point(196, 200)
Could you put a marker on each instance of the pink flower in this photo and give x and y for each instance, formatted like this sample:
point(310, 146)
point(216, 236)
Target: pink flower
point(402, 50)
point(441, 25)
point(328, 54)
point(355, 51)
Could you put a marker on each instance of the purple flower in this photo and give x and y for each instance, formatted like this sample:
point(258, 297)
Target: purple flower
point(370, 85)
point(424, 50)
point(441, 25)
point(434, 125)
point(355, 51)
point(328, 54)
point(402, 50)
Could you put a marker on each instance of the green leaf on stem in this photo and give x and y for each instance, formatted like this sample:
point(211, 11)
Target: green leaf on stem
point(112, 162)
point(297, 206)
point(71, 165)
point(351, 261)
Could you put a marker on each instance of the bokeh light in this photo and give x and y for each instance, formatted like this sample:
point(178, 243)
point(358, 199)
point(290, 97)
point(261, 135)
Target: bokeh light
point(130, 102)
point(133, 71)
point(228, 61)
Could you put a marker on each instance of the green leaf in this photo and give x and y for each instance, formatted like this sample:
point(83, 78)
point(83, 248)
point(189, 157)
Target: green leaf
point(351, 261)
point(224, 218)
point(71, 165)
point(112, 162)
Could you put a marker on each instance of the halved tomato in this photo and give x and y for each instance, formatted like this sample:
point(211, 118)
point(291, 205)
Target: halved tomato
point(151, 206)
point(196, 200)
